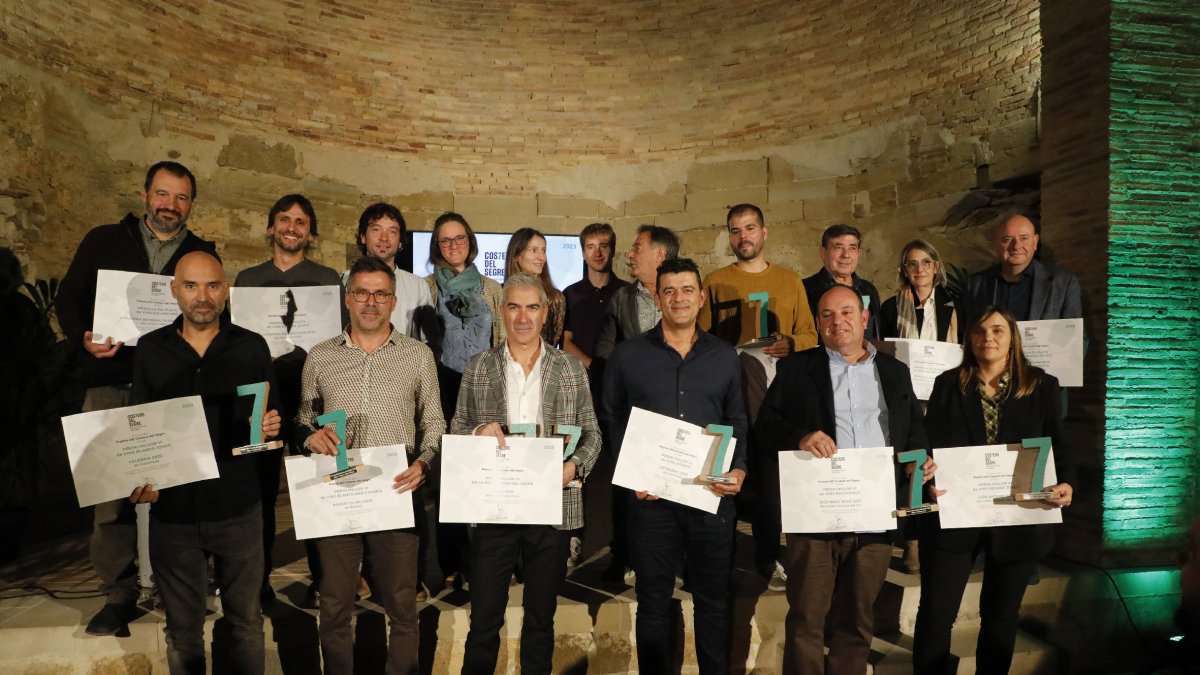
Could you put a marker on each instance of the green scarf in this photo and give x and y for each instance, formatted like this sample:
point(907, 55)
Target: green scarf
point(462, 290)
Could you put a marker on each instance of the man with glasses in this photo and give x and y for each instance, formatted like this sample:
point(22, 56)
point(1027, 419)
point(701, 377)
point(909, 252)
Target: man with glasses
point(841, 246)
point(386, 383)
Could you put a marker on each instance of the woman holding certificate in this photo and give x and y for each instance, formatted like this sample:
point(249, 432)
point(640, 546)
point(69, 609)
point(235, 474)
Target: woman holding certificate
point(922, 310)
point(527, 255)
point(994, 397)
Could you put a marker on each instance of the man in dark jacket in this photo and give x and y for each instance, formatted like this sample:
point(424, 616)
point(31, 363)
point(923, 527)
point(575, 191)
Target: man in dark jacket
point(152, 243)
point(202, 353)
point(1031, 290)
point(841, 395)
point(841, 246)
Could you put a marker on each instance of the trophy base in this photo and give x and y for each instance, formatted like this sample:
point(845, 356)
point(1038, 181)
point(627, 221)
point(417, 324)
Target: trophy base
point(258, 447)
point(1036, 496)
point(574, 483)
point(915, 510)
point(343, 473)
point(726, 480)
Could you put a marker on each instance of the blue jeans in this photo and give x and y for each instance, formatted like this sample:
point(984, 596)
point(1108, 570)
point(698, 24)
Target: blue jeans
point(662, 535)
point(179, 555)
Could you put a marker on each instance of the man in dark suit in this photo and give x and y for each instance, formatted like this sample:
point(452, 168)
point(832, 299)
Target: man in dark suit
point(1028, 288)
point(843, 394)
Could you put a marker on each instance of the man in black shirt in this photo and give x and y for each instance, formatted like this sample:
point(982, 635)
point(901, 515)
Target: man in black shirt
point(151, 244)
point(202, 353)
point(678, 370)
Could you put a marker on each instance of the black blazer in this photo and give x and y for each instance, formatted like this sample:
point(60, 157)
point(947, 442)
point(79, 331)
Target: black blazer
point(889, 317)
point(954, 420)
point(800, 401)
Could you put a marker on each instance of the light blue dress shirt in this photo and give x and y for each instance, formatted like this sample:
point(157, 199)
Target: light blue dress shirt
point(859, 409)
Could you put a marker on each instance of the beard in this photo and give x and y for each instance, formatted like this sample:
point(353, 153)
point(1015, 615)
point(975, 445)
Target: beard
point(163, 226)
point(282, 243)
point(746, 253)
point(202, 315)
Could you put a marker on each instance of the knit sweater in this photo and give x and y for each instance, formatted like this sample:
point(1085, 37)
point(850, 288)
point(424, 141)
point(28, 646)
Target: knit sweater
point(728, 314)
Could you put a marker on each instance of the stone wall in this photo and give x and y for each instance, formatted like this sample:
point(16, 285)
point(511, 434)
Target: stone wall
point(520, 114)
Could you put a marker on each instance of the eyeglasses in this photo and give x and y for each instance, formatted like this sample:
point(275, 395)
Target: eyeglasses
point(447, 242)
point(914, 265)
point(361, 295)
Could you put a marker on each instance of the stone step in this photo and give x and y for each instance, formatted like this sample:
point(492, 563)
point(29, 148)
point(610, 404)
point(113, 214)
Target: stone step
point(896, 607)
point(892, 654)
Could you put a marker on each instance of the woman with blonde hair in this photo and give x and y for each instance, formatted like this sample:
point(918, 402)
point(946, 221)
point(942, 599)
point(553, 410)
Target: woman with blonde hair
point(922, 309)
point(527, 255)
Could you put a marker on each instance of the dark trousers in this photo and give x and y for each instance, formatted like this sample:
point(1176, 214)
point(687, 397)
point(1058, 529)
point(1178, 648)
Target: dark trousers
point(944, 576)
point(767, 524)
point(269, 465)
point(494, 551)
point(835, 573)
point(113, 547)
point(663, 534)
point(392, 556)
point(179, 554)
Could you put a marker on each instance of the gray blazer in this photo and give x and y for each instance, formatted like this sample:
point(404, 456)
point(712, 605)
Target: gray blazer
point(1055, 293)
point(566, 399)
point(620, 321)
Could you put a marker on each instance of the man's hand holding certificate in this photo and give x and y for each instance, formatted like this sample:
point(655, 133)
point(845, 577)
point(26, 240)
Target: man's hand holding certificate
point(852, 490)
point(113, 452)
point(1056, 346)
point(288, 317)
point(519, 483)
point(363, 501)
point(131, 304)
point(669, 459)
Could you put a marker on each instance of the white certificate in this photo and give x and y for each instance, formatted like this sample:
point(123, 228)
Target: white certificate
point(288, 317)
point(926, 359)
point(364, 501)
point(975, 477)
point(1055, 346)
point(853, 491)
point(519, 485)
point(163, 444)
point(666, 457)
point(130, 304)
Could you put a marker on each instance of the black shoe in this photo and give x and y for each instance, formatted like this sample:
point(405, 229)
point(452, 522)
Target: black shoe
point(112, 619)
point(312, 598)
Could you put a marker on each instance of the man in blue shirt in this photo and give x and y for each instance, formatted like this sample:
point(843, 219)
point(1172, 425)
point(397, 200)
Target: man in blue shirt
point(678, 370)
point(843, 394)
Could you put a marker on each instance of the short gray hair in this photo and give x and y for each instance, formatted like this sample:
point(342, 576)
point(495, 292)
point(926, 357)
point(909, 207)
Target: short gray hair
point(519, 280)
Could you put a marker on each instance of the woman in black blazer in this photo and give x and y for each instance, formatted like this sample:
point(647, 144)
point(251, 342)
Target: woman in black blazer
point(994, 376)
point(922, 301)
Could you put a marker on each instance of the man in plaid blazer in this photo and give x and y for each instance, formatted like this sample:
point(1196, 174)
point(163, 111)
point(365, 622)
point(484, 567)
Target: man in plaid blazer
point(523, 381)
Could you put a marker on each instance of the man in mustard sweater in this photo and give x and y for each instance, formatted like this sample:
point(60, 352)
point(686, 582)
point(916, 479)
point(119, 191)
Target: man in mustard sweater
point(730, 315)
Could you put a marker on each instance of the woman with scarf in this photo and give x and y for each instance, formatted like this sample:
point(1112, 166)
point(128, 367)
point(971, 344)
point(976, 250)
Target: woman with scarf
point(467, 304)
point(921, 310)
point(469, 322)
point(527, 255)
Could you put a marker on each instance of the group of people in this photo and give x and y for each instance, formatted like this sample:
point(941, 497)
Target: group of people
point(458, 353)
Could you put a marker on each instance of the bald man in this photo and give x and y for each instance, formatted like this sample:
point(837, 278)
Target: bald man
point(1028, 288)
point(840, 395)
point(202, 353)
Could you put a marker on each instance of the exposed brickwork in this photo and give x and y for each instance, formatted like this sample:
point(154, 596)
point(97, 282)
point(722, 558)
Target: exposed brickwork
point(1152, 418)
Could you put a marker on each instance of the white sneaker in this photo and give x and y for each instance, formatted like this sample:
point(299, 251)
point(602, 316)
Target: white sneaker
point(778, 582)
